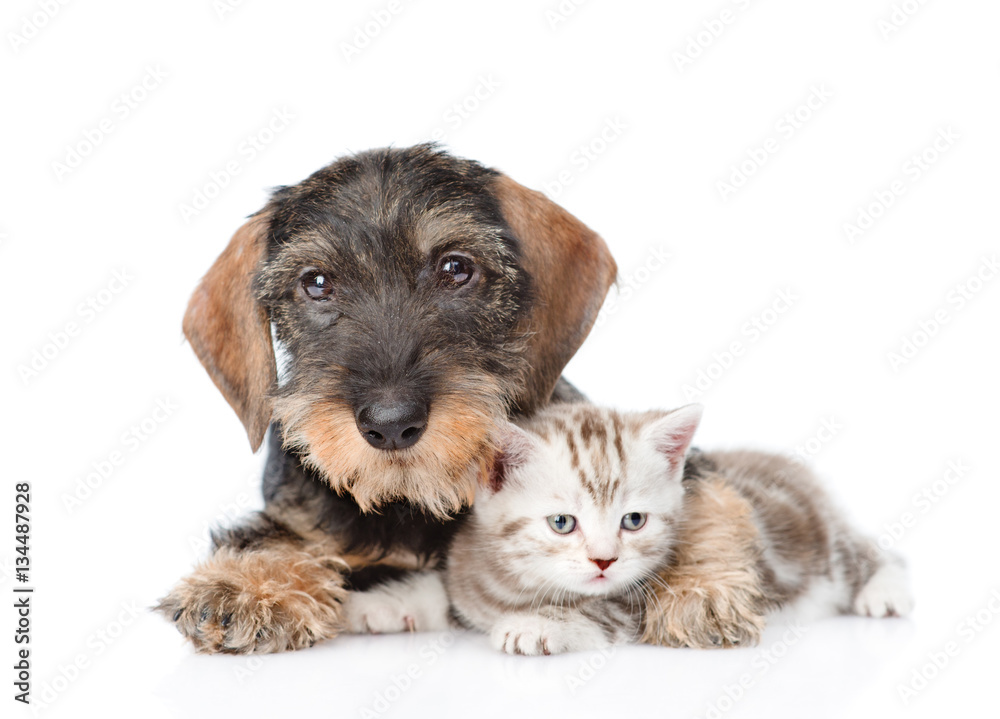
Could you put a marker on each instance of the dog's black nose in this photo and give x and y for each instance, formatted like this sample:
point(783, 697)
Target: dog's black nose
point(392, 425)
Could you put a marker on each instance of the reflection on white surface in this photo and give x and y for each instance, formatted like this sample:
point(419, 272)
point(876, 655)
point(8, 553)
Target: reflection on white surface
point(823, 665)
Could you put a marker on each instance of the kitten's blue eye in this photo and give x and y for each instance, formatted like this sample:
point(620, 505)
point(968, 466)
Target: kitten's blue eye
point(562, 523)
point(633, 521)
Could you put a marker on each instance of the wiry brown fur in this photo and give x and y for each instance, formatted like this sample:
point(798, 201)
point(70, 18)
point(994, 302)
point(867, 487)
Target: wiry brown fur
point(270, 600)
point(229, 331)
point(378, 225)
point(711, 594)
point(436, 469)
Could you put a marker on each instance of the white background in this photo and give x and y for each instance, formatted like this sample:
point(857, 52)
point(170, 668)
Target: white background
point(546, 89)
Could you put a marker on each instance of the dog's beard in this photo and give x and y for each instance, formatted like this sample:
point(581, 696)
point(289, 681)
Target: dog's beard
point(439, 473)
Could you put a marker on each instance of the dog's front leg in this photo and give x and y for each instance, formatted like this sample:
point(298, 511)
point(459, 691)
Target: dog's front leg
point(264, 589)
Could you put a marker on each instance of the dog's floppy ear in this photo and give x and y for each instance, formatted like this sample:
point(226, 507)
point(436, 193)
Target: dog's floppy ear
point(572, 270)
point(231, 333)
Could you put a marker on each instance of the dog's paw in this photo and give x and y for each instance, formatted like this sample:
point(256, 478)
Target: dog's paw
point(886, 594)
point(259, 601)
point(531, 635)
point(704, 620)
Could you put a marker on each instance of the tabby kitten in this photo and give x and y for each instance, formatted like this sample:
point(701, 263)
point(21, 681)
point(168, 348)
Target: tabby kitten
point(580, 509)
point(582, 514)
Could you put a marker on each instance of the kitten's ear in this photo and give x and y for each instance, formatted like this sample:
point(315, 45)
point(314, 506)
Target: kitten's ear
point(514, 447)
point(671, 435)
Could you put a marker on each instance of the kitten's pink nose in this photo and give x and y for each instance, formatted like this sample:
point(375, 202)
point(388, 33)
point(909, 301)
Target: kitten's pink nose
point(603, 564)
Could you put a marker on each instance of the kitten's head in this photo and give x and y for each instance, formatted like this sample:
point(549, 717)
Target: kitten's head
point(584, 499)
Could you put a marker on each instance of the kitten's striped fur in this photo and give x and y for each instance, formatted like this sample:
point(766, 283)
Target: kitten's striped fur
point(537, 591)
point(760, 521)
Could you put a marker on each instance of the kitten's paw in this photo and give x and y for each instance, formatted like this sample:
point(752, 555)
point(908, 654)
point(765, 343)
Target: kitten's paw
point(532, 635)
point(886, 594)
point(377, 613)
point(415, 604)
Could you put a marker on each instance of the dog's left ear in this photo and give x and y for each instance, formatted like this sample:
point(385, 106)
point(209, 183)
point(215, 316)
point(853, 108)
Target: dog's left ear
point(571, 270)
point(231, 333)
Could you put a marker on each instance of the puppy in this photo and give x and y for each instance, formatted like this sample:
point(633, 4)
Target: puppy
point(414, 299)
point(380, 317)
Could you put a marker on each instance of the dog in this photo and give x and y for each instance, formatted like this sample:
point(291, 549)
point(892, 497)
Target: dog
point(374, 322)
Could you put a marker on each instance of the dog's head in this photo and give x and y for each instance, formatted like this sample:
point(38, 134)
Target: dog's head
point(415, 300)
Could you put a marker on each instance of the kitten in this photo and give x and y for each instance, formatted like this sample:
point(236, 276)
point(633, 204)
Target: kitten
point(585, 510)
point(579, 510)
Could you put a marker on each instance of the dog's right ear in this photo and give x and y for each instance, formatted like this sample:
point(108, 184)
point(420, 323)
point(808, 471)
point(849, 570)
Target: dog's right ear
point(231, 333)
point(571, 270)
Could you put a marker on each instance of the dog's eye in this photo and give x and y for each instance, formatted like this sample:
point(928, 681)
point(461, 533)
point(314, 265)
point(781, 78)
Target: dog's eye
point(456, 270)
point(317, 285)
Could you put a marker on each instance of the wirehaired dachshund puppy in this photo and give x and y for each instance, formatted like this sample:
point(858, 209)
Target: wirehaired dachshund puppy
point(379, 317)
